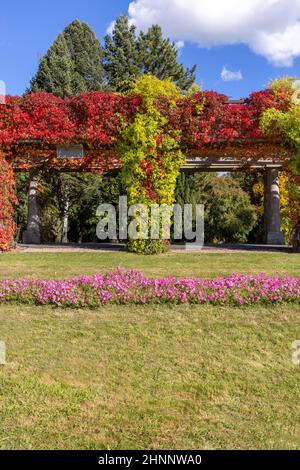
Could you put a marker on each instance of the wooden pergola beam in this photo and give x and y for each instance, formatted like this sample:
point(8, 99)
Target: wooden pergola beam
point(230, 164)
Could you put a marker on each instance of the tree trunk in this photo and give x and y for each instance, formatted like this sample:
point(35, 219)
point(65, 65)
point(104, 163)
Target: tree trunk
point(65, 215)
point(80, 239)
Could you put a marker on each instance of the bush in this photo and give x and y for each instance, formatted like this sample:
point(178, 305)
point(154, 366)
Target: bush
point(229, 214)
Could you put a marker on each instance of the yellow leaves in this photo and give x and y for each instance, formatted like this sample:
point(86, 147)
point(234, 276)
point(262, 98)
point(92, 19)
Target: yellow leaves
point(150, 153)
point(258, 190)
point(282, 82)
point(150, 88)
point(284, 182)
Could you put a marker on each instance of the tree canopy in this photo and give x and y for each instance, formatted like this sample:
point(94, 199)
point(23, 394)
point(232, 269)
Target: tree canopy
point(73, 64)
point(128, 55)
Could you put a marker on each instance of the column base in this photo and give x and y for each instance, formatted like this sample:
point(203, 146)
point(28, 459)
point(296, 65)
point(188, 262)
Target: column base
point(275, 238)
point(31, 237)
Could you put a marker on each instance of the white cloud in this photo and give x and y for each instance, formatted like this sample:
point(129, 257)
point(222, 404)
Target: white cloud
point(111, 26)
point(270, 28)
point(2, 92)
point(229, 75)
point(179, 44)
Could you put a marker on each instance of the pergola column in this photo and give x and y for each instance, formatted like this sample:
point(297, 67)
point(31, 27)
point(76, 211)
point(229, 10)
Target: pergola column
point(33, 234)
point(272, 208)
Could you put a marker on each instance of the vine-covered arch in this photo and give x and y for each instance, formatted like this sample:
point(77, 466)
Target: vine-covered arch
point(152, 131)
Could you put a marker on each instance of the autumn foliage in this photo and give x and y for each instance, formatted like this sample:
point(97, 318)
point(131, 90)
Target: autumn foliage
point(202, 123)
point(7, 200)
point(205, 118)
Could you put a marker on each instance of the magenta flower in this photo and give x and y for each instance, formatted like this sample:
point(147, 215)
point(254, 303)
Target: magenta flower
point(132, 287)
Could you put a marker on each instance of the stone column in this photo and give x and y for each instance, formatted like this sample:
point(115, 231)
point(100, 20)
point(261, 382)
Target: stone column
point(272, 208)
point(33, 234)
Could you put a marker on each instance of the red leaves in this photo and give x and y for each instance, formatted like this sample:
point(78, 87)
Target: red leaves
point(39, 116)
point(222, 123)
point(98, 116)
point(94, 118)
point(205, 119)
point(7, 199)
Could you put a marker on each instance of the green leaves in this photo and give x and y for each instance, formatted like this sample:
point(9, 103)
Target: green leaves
point(127, 57)
point(72, 65)
point(150, 153)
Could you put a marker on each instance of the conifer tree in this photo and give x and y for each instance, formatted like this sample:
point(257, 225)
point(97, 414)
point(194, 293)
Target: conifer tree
point(72, 65)
point(159, 57)
point(121, 58)
point(86, 54)
point(56, 70)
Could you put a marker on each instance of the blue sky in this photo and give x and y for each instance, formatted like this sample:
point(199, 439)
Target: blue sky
point(28, 29)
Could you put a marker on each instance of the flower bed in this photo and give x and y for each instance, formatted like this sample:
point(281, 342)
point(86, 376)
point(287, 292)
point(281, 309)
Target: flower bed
point(132, 287)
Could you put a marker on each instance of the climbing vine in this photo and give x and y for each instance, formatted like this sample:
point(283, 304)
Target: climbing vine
point(151, 154)
point(7, 200)
point(147, 133)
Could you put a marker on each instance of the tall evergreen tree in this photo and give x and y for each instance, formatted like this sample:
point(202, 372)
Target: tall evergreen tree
point(87, 55)
point(127, 56)
point(185, 192)
point(159, 57)
point(56, 70)
point(121, 58)
point(73, 64)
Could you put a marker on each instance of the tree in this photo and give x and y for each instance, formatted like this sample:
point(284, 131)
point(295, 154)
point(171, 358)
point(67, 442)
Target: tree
point(252, 183)
point(72, 65)
point(127, 56)
point(185, 189)
point(159, 57)
point(151, 159)
point(121, 58)
point(86, 54)
point(229, 215)
point(56, 70)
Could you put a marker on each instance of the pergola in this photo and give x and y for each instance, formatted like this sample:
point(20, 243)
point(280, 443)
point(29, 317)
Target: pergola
point(242, 149)
point(261, 159)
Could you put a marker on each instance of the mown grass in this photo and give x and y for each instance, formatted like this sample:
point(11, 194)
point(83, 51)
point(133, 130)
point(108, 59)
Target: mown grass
point(151, 377)
point(51, 265)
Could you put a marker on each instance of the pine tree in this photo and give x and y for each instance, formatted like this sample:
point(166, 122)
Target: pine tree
point(72, 65)
point(87, 54)
point(121, 58)
point(185, 192)
point(159, 57)
point(127, 56)
point(56, 70)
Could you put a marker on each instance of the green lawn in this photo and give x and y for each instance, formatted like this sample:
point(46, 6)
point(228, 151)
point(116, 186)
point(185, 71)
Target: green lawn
point(151, 377)
point(172, 264)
